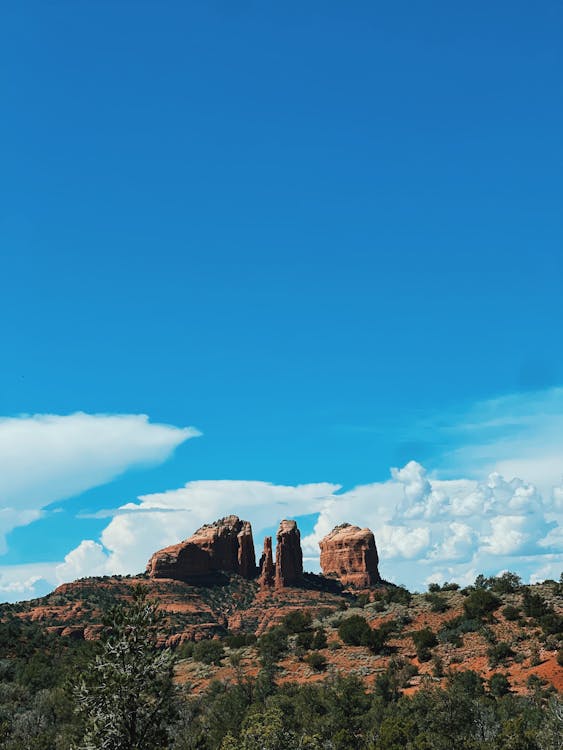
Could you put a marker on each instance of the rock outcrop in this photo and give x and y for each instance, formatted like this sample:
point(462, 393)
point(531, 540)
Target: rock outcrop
point(289, 557)
point(267, 567)
point(349, 554)
point(225, 545)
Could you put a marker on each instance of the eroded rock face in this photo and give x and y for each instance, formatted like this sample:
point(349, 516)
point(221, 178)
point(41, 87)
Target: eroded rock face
point(289, 557)
point(267, 567)
point(349, 554)
point(225, 545)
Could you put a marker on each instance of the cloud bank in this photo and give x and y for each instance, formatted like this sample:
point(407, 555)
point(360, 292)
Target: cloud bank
point(494, 502)
point(425, 528)
point(47, 457)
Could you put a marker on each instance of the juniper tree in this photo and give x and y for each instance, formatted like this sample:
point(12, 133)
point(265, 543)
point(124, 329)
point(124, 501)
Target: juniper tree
point(125, 694)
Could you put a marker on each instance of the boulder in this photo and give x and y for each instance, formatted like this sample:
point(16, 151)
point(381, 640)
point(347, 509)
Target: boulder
point(225, 545)
point(289, 557)
point(349, 554)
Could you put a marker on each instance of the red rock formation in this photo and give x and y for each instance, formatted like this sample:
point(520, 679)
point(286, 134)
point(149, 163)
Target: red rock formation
point(246, 556)
point(349, 553)
point(224, 545)
point(289, 558)
point(267, 567)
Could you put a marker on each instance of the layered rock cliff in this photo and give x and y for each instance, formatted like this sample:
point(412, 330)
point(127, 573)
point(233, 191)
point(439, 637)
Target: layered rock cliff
point(349, 554)
point(224, 545)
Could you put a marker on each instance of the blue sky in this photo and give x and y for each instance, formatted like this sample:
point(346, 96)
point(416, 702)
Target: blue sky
point(326, 236)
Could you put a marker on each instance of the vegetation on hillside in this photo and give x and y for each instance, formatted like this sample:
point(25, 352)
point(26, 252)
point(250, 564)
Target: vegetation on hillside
point(117, 692)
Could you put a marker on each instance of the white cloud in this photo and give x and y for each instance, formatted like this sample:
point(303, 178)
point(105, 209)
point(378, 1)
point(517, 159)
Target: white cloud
point(47, 457)
point(498, 507)
point(88, 559)
point(26, 581)
point(423, 526)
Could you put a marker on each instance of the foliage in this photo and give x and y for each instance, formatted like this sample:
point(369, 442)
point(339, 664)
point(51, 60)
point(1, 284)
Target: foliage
point(499, 653)
point(424, 640)
point(297, 621)
point(511, 613)
point(209, 652)
point(480, 604)
point(437, 603)
point(354, 630)
point(124, 696)
point(272, 645)
point(316, 661)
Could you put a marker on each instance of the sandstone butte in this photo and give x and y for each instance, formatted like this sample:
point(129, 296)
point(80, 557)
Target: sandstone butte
point(225, 545)
point(349, 554)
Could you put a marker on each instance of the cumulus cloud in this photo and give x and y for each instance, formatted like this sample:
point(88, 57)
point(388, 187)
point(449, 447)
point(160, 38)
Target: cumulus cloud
point(26, 581)
point(164, 518)
point(426, 528)
point(47, 457)
point(494, 502)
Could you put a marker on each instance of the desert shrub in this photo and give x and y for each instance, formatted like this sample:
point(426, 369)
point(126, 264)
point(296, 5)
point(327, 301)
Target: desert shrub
point(362, 600)
point(424, 640)
point(453, 630)
point(272, 645)
point(551, 623)
point(499, 653)
point(208, 652)
point(437, 666)
point(185, 650)
point(535, 656)
point(397, 595)
point(354, 631)
point(507, 583)
point(450, 586)
point(480, 604)
point(511, 613)
point(499, 685)
point(560, 657)
point(437, 603)
point(297, 621)
point(305, 640)
point(316, 661)
point(240, 640)
point(319, 639)
point(534, 605)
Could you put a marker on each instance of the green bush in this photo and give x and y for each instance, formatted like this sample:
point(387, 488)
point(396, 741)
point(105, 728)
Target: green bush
point(209, 652)
point(499, 685)
point(551, 623)
point(511, 613)
point(480, 604)
point(319, 639)
point(535, 605)
point(499, 653)
point(240, 640)
point(354, 631)
point(362, 600)
point(316, 661)
point(560, 657)
point(424, 640)
point(437, 603)
point(297, 621)
point(272, 645)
